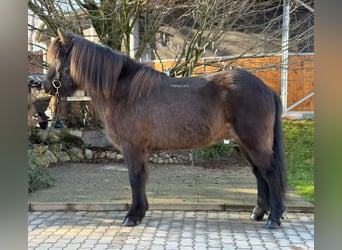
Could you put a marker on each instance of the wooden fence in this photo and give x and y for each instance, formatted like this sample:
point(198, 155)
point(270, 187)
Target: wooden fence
point(268, 68)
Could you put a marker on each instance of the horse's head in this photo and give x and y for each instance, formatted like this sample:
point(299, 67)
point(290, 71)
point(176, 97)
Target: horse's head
point(58, 79)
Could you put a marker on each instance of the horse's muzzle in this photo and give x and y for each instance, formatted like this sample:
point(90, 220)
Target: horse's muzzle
point(48, 88)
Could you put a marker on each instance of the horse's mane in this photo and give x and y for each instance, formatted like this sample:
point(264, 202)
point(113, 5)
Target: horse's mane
point(145, 81)
point(103, 72)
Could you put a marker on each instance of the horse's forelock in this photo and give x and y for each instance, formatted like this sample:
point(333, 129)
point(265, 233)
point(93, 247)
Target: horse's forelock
point(53, 51)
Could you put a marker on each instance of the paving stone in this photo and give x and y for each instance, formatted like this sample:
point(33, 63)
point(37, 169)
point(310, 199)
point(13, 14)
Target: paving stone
point(63, 242)
point(171, 244)
point(78, 240)
point(157, 247)
point(186, 242)
point(44, 246)
point(158, 241)
point(181, 228)
point(240, 234)
point(101, 247)
point(200, 238)
point(72, 246)
point(128, 247)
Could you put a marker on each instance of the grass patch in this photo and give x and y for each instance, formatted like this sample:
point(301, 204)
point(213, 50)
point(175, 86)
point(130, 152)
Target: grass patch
point(299, 146)
point(299, 150)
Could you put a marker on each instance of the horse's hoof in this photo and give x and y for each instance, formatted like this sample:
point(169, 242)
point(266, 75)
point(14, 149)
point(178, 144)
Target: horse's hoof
point(256, 217)
point(129, 223)
point(270, 224)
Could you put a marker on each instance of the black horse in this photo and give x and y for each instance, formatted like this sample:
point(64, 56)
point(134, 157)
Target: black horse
point(143, 110)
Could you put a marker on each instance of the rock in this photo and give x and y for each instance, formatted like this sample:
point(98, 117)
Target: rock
point(51, 156)
point(95, 139)
point(62, 156)
point(41, 160)
point(53, 135)
point(76, 154)
point(88, 154)
point(160, 161)
point(119, 157)
point(101, 155)
point(57, 147)
point(77, 133)
point(111, 155)
point(39, 150)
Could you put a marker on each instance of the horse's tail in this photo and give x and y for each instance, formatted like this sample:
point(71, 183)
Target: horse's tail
point(278, 146)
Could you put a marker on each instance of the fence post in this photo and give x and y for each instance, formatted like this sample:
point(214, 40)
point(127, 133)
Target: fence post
point(285, 54)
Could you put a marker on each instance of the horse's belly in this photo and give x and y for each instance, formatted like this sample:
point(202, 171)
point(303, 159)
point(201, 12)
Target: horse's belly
point(189, 136)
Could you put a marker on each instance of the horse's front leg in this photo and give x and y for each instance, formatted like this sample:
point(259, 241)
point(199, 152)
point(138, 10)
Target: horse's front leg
point(137, 171)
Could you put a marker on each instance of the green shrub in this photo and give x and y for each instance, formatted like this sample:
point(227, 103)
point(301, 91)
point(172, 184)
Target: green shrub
point(216, 151)
point(38, 177)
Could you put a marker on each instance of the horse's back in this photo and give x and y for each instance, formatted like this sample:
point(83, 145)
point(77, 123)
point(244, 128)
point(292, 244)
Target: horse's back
point(243, 93)
point(237, 78)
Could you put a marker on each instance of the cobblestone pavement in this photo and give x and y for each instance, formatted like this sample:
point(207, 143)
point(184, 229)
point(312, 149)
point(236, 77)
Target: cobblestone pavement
point(166, 230)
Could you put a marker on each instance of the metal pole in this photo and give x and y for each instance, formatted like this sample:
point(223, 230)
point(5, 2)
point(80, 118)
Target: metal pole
point(134, 39)
point(285, 53)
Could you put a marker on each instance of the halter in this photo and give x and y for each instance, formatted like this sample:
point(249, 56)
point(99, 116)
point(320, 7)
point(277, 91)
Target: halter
point(56, 83)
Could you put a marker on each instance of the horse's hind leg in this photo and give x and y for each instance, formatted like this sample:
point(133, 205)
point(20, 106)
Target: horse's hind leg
point(263, 205)
point(259, 152)
point(270, 193)
point(137, 171)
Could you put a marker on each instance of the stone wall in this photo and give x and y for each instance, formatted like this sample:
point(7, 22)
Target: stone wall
point(70, 145)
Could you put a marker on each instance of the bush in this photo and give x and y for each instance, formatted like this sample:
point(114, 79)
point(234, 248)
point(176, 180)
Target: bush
point(38, 177)
point(216, 151)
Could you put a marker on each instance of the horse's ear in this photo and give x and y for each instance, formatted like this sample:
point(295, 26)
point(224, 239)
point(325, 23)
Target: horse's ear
point(65, 39)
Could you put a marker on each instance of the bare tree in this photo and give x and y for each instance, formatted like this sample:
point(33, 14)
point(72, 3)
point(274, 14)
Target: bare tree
point(182, 29)
point(113, 20)
point(241, 28)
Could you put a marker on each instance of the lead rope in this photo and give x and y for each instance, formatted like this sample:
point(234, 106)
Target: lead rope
point(53, 122)
point(56, 83)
